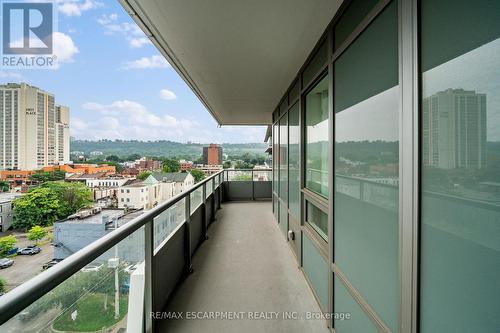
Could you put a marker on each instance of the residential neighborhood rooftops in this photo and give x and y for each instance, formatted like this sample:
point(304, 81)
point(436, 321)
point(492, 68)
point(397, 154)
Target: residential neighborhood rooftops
point(173, 177)
point(80, 176)
point(102, 216)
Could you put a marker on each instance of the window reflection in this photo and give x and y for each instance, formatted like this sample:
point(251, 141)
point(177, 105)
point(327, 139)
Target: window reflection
point(316, 150)
point(294, 161)
point(366, 104)
point(460, 168)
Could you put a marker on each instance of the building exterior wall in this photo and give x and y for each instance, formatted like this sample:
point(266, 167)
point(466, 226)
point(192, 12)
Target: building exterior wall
point(105, 182)
point(71, 237)
point(6, 213)
point(62, 134)
point(212, 155)
point(133, 197)
point(385, 151)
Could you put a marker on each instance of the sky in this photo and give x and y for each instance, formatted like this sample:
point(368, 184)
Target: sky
point(117, 84)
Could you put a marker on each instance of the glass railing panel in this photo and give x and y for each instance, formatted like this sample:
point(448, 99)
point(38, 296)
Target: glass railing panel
point(239, 175)
point(196, 198)
point(262, 175)
point(167, 221)
point(209, 188)
point(102, 296)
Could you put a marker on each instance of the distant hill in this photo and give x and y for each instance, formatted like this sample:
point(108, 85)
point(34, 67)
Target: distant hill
point(161, 148)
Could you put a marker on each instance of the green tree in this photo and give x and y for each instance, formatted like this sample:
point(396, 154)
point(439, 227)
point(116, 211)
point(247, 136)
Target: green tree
point(50, 202)
point(2, 285)
point(39, 206)
point(243, 165)
point(171, 164)
point(113, 158)
point(37, 233)
point(72, 196)
point(143, 175)
point(165, 168)
point(198, 175)
point(227, 164)
point(43, 176)
point(133, 157)
point(199, 160)
point(7, 243)
point(4, 186)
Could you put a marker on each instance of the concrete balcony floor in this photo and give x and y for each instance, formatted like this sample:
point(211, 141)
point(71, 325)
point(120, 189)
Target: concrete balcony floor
point(246, 266)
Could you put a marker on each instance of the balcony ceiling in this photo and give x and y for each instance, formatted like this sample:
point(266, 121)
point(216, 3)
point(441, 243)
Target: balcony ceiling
point(238, 56)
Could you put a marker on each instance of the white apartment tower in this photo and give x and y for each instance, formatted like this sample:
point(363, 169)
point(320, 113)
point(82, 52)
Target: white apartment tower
point(62, 134)
point(454, 129)
point(34, 132)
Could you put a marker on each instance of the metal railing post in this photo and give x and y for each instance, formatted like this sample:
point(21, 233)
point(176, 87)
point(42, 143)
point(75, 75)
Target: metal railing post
point(187, 213)
point(148, 276)
point(212, 204)
point(204, 203)
point(219, 193)
point(253, 187)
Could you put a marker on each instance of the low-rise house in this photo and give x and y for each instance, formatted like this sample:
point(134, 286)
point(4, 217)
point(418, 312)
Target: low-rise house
point(181, 180)
point(6, 209)
point(104, 188)
point(139, 194)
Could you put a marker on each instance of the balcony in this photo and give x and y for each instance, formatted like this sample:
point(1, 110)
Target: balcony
point(246, 266)
point(228, 262)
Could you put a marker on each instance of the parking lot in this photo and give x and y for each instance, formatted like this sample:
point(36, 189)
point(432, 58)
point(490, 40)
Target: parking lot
point(25, 266)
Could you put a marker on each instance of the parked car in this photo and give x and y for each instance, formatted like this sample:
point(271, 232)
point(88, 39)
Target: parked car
point(6, 262)
point(51, 263)
point(92, 268)
point(29, 250)
point(130, 269)
point(13, 251)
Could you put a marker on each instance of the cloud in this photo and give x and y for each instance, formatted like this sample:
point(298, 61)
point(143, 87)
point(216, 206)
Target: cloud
point(10, 75)
point(64, 47)
point(134, 36)
point(124, 119)
point(76, 7)
point(155, 61)
point(167, 95)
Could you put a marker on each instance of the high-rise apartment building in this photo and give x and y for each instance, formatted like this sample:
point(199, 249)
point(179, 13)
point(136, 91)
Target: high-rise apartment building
point(62, 131)
point(212, 155)
point(454, 129)
point(34, 132)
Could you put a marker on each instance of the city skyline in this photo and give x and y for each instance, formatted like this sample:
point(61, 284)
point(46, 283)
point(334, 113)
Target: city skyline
point(123, 89)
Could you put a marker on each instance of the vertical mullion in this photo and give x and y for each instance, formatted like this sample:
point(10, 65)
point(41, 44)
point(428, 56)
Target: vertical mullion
point(408, 164)
point(301, 216)
point(331, 174)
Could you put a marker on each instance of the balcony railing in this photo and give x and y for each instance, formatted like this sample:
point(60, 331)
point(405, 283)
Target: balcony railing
point(135, 267)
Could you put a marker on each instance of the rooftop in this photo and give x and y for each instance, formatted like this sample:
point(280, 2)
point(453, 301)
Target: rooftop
point(174, 177)
point(107, 214)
